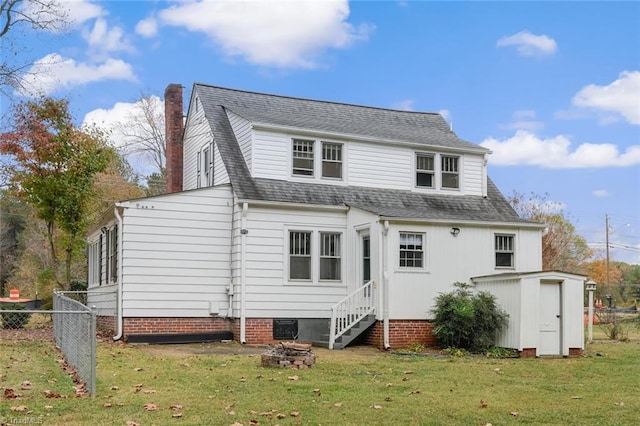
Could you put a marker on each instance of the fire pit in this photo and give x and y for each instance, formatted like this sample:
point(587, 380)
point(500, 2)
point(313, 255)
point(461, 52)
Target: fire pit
point(289, 354)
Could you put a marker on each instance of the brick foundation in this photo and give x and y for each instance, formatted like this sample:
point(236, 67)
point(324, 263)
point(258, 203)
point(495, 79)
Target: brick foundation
point(575, 351)
point(527, 352)
point(142, 325)
point(106, 325)
point(402, 334)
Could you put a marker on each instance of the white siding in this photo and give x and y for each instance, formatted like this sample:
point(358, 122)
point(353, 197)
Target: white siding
point(508, 293)
point(380, 166)
point(448, 259)
point(242, 130)
point(196, 135)
point(271, 155)
point(268, 292)
point(220, 175)
point(472, 174)
point(177, 254)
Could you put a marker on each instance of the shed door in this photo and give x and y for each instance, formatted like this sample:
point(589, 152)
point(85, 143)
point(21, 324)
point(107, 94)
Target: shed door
point(550, 319)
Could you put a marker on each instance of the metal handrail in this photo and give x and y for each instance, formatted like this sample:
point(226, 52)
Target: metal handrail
point(350, 310)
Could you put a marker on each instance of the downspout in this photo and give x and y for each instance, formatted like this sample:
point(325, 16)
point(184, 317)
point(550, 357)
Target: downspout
point(230, 289)
point(243, 272)
point(119, 329)
point(385, 287)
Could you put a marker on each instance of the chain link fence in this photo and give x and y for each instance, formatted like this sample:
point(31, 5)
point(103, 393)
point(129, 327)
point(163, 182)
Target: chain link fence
point(74, 331)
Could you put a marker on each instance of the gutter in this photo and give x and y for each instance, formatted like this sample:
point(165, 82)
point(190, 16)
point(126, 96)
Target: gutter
point(119, 328)
point(385, 287)
point(243, 272)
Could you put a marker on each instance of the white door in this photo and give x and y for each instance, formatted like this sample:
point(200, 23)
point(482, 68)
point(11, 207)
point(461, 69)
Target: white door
point(550, 319)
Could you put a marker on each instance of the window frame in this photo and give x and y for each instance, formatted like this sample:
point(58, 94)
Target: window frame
point(303, 156)
point(308, 256)
point(339, 161)
point(431, 172)
point(336, 255)
point(501, 251)
point(113, 254)
point(443, 172)
point(406, 250)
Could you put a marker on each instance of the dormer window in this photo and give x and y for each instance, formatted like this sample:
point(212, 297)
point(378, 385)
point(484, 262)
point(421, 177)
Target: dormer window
point(331, 160)
point(450, 172)
point(302, 157)
point(425, 170)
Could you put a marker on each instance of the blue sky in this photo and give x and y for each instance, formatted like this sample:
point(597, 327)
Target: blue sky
point(552, 88)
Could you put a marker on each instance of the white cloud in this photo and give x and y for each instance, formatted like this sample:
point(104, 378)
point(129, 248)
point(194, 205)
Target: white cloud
point(528, 44)
point(404, 105)
point(147, 27)
point(524, 120)
point(525, 148)
point(80, 11)
point(601, 193)
point(621, 97)
point(279, 34)
point(53, 72)
point(112, 120)
point(102, 40)
point(72, 12)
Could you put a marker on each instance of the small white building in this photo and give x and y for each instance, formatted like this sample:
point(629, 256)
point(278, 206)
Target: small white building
point(545, 311)
point(297, 218)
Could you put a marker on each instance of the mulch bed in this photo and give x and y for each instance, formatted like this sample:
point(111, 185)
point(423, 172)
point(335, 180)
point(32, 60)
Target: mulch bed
point(25, 334)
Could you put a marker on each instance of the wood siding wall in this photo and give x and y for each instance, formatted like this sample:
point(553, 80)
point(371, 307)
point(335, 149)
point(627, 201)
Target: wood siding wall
point(177, 252)
point(242, 130)
point(197, 134)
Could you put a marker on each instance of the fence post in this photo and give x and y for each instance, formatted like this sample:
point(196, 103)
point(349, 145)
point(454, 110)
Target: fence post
point(92, 337)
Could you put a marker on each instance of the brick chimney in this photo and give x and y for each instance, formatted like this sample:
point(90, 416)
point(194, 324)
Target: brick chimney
point(173, 118)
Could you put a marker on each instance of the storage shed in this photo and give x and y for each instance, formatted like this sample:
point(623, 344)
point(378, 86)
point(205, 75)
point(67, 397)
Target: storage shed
point(545, 311)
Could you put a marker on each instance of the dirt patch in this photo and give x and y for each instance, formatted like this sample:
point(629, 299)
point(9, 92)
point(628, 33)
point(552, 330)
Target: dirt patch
point(26, 334)
point(213, 348)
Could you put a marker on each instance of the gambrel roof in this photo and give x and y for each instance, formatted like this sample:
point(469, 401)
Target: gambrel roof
point(428, 129)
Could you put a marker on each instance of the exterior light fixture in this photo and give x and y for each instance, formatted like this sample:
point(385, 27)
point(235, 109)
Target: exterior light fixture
point(455, 231)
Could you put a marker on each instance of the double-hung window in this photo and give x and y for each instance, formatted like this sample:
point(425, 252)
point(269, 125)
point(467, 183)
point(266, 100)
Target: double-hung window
point(330, 256)
point(411, 250)
point(450, 172)
point(425, 170)
point(302, 157)
point(504, 251)
point(299, 255)
point(207, 162)
point(332, 160)
point(113, 254)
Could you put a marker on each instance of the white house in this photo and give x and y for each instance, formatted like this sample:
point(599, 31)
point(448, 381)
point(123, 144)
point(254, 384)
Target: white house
point(321, 221)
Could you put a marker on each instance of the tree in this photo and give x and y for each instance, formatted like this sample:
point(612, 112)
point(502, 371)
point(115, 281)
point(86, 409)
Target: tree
point(13, 220)
point(143, 132)
point(53, 168)
point(562, 248)
point(17, 16)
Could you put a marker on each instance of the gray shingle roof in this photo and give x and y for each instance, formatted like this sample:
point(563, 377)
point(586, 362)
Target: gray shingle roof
point(378, 123)
point(318, 115)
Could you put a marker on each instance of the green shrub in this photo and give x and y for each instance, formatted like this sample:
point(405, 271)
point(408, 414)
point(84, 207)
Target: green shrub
point(467, 320)
point(13, 319)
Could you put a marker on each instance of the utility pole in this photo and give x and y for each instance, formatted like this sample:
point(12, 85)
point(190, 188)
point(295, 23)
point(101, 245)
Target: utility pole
point(606, 222)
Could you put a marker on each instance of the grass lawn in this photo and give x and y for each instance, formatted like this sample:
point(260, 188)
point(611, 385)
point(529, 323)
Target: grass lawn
point(150, 385)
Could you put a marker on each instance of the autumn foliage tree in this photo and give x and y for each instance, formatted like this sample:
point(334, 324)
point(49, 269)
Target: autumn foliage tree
point(562, 248)
point(53, 166)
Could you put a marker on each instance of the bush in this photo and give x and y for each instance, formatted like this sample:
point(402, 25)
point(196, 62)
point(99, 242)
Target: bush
point(467, 320)
point(13, 319)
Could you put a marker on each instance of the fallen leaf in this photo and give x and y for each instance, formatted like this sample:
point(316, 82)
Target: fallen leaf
point(176, 415)
point(9, 393)
point(515, 413)
point(389, 385)
point(388, 398)
point(294, 413)
point(620, 404)
point(254, 422)
point(408, 372)
point(52, 395)
point(176, 406)
point(231, 413)
point(149, 391)
point(115, 388)
point(243, 379)
point(26, 385)
point(236, 424)
point(316, 390)
point(132, 423)
point(280, 416)
point(376, 406)
point(483, 404)
point(413, 392)
point(107, 405)
point(338, 404)
point(54, 380)
point(150, 407)
point(19, 408)
point(293, 377)
point(405, 379)
point(137, 369)
point(576, 397)
point(48, 407)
